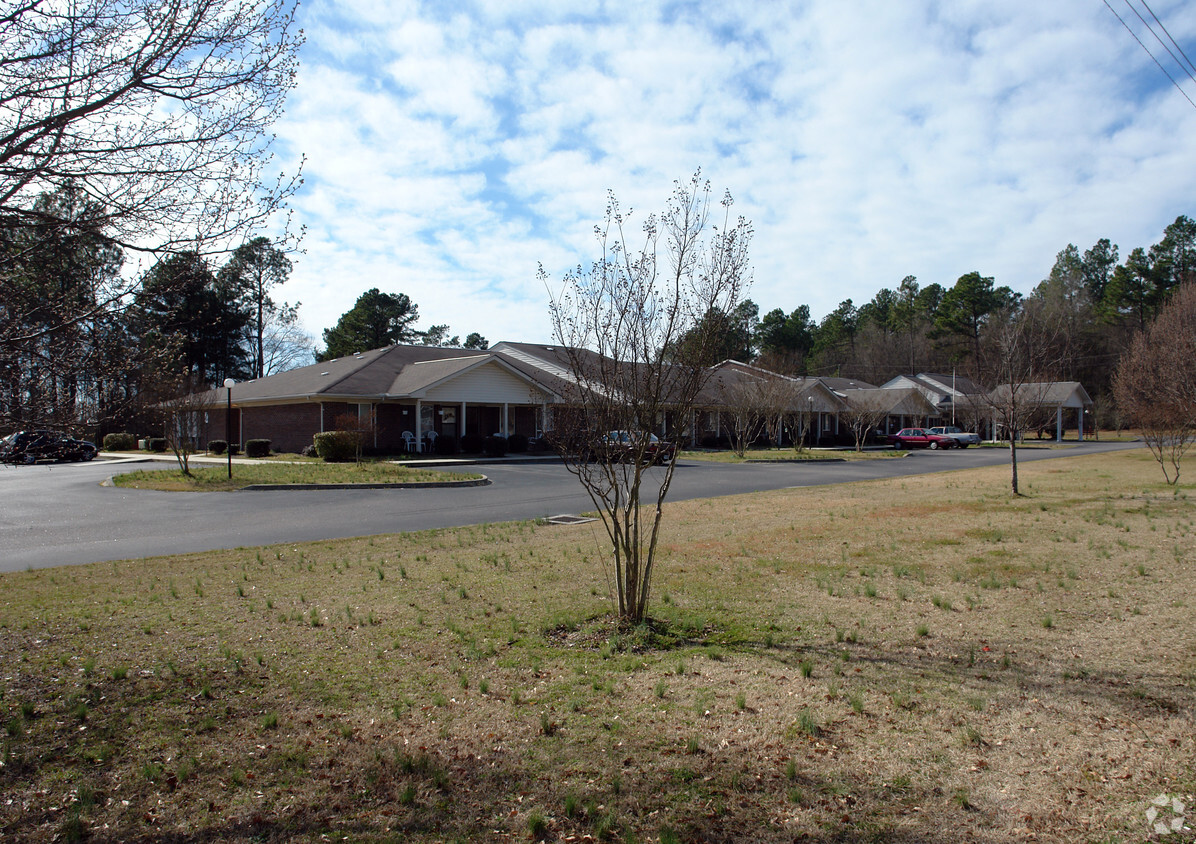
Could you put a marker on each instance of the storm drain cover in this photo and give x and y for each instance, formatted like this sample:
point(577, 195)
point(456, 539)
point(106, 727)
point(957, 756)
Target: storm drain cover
point(569, 519)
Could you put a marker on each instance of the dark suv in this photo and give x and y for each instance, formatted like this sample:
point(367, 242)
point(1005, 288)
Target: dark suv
point(32, 446)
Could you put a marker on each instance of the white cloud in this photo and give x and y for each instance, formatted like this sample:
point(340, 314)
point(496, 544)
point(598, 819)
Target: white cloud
point(451, 151)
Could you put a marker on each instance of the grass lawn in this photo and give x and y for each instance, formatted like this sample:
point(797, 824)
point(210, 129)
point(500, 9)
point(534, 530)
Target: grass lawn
point(922, 659)
point(208, 478)
point(786, 454)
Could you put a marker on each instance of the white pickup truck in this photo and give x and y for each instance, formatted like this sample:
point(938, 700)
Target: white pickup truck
point(961, 436)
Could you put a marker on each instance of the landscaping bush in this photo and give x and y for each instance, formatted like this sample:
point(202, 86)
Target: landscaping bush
point(120, 442)
point(309, 451)
point(517, 443)
point(217, 446)
point(234, 449)
point(156, 445)
point(472, 443)
point(494, 446)
point(337, 446)
point(257, 448)
point(446, 445)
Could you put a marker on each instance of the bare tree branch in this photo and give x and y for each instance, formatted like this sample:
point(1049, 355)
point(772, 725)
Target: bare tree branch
point(618, 324)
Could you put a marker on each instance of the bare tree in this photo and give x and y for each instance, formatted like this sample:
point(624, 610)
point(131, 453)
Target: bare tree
point(1155, 382)
point(1020, 357)
point(778, 405)
point(865, 410)
point(804, 415)
point(743, 405)
point(361, 430)
point(285, 345)
point(618, 325)
point(183, 405)
point(155, 118)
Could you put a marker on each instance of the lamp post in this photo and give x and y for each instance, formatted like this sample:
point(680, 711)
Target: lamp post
point(809, 419)
point(228, 423)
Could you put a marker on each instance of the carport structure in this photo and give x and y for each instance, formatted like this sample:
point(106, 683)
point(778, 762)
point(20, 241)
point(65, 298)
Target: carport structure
point(1043, 397)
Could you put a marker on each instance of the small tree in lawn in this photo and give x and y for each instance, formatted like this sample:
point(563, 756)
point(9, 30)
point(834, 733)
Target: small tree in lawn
point(362, 430)
point(744, 408)
point(865, 409)
point(619, 324)
point(1019, 356)
point(183, 417)
point(1155, 382)
point(779, 397)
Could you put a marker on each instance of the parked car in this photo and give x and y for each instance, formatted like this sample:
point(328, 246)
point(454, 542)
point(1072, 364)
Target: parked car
point(962, 438)
point(623, 445)
point(920, 438)
point(32, 446)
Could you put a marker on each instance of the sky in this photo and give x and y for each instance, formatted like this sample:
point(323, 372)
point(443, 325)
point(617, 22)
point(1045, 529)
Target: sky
point(454, 147)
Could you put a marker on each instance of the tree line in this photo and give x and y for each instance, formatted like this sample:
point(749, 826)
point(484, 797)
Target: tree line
point(75, 354)
point(1095, 301)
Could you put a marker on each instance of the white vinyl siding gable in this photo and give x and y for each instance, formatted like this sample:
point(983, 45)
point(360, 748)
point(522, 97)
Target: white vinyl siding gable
point(486, 384)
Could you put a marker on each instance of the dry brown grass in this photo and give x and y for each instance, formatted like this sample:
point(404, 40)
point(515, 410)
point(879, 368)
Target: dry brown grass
point(982, 668)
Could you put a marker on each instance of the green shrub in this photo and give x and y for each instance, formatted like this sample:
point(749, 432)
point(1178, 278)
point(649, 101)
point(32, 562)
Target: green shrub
point(120, 442)
point(517, 443)
point(234, 448)
point(257, 448)
point(217, 446)
point(337, 446)
point(472, 443)
point(156, 444)
point(446, 445)
point(494, 446)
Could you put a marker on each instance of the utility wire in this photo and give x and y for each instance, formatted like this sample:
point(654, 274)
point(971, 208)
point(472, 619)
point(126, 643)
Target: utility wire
point(1163, 27)
point(1147, 49)
point(1166, 47)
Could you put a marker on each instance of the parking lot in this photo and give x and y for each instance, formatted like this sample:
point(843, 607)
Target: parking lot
point(59, 514)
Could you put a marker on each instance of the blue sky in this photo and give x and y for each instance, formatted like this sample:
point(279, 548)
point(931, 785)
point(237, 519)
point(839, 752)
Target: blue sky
point(452, 147)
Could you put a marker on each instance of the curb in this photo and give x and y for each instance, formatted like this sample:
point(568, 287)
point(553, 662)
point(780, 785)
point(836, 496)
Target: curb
point(798, 462)
point(482, 481)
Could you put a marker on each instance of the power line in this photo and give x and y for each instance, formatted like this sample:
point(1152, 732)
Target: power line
point(1147, 49)
point(1169, 36)
point(1150, 29)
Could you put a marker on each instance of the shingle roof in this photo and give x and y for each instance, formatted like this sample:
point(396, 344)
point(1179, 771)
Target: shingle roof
point(899, 401)
point(1047, 394)
point(393, 371)
point(839, 385)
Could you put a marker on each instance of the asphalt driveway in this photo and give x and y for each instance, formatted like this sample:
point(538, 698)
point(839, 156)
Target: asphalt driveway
point(60, 515)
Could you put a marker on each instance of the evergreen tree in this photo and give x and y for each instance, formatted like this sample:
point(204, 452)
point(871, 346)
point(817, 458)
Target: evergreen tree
point(377, 319)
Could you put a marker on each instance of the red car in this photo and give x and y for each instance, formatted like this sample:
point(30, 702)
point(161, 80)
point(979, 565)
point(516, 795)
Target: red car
point(920, 438)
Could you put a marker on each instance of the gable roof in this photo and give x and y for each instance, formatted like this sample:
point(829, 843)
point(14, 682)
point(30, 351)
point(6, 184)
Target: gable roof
point(896, 401)
point(842, 385)
point(392, 372)
point(959, 384)
point(1047, 394)
point(731, 373)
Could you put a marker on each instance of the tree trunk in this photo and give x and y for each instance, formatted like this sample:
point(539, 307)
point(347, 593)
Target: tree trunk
point(1013, 462)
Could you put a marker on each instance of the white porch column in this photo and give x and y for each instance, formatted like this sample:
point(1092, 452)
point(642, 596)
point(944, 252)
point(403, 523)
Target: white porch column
point(506, 415)
point(543, 418)
point(1059, 424)
point(321, 417)
point(419, 435)
point(1080, 414)
point(461, 425)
